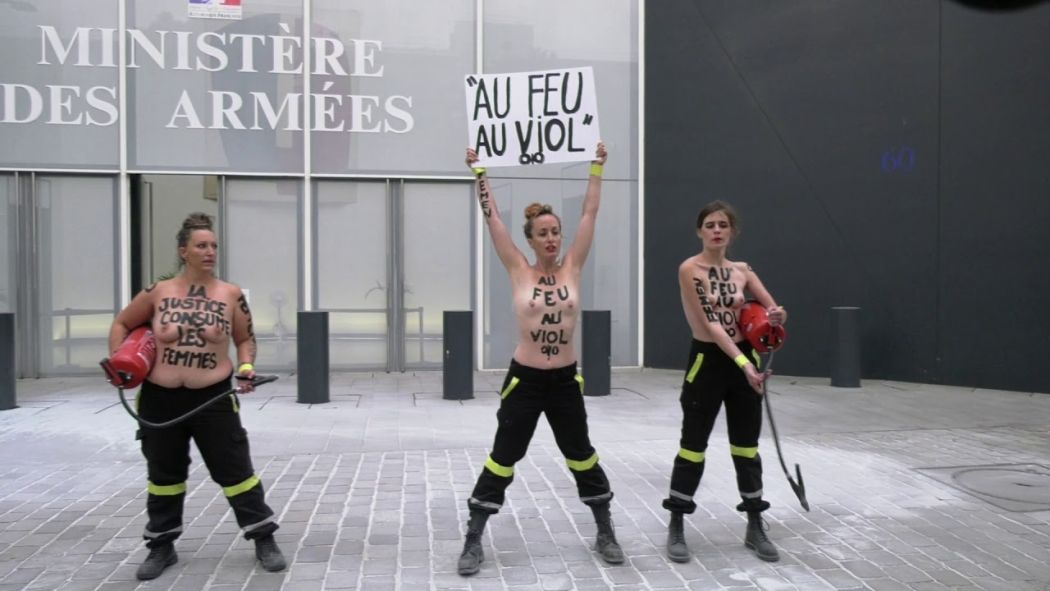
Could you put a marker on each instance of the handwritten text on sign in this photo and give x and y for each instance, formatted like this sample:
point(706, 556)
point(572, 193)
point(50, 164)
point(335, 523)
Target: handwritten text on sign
point(532, 117)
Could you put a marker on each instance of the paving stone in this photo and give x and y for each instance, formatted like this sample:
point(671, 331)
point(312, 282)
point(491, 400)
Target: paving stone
point(374, 495)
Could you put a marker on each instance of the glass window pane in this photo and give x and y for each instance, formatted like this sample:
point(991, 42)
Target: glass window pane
point(352, 271)
point(438, 272)
point(262, 255)
point(609, 280)
point(397, 102)
point(59, 108)
point(546, 34)
point(213, 94)
point(77, 298)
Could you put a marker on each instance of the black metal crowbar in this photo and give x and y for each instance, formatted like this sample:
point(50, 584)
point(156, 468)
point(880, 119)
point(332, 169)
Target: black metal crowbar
point(798, 487)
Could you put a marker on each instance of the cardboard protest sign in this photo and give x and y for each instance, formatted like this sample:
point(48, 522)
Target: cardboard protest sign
point(532, 117)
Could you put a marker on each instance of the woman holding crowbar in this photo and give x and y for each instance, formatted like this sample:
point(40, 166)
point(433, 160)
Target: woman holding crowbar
point(720, 370)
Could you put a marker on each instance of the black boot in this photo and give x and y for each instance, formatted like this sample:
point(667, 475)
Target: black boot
point(269, 554)
point(676, 548)
point(472, 557)
point(160, 558)
point(605, 542)
point(756, 538)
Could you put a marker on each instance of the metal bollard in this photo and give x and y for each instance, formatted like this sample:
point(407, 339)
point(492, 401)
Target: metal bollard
point(458, 359)
point(597, 352)
point(7, 361)
point(845, 365)
point(312, 350)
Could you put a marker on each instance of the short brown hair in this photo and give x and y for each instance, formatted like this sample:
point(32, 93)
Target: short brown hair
point(716, 206)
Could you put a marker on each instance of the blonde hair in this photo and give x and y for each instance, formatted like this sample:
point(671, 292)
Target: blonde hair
point(535, 210)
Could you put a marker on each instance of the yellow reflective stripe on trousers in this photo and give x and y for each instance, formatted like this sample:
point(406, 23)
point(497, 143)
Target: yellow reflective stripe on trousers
point(693, 456)
point(695, 369)
point(744, 452)
point(247, 485)
point(581, 465)
point(579, 380)
point(498, 470)
point(513, 384)
point(168, 490)
point(236, 405)
point(757, 358)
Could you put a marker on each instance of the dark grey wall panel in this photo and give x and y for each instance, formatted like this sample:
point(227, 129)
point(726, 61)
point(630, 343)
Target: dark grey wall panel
point(995, 197)
point(820, 122)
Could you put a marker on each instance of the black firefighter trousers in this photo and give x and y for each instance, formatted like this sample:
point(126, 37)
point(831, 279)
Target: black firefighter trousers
point(223, 445)
point(528, 392)
point(713, 380)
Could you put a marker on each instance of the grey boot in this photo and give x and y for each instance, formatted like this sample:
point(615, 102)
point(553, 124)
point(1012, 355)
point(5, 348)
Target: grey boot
point(676, 548)
point(605, 541)
point(269, 554)
point(472, 557)
point(757, 540)
point(160, 558)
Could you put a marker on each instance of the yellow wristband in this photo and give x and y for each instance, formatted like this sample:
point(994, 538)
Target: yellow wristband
point(741, 360)
point(596, 169)
point(245, 368)
point(478, 171)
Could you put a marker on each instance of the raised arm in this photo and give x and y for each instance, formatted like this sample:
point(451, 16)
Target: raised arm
point(509, 254)
point(699, 312)
point(777, 314)
point(581, 245)
point(137, 313)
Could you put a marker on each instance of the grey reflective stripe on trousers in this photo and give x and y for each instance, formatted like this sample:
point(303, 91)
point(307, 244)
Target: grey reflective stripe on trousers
point(256, 526)
point(601, 497)
point(485, 504)
point(682, 496)
point(146, 533)
point(752, 495)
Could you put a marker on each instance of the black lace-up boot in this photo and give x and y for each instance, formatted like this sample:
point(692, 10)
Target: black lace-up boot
point(676, 547)
point(472, 557)
point(160, 558)
point(269, 554)
point(605, 541)
point(757, 540)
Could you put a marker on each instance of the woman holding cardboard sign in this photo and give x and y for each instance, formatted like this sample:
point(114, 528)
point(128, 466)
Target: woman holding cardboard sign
point(542, 377)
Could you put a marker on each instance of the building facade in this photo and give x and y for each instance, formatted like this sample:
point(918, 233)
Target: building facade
point(328, 140)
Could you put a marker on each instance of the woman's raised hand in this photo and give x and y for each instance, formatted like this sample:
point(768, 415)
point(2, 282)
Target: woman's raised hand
point(600, 154)
point(472, 157)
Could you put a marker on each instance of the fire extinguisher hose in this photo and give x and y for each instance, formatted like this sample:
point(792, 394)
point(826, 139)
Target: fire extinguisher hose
point(256, 382)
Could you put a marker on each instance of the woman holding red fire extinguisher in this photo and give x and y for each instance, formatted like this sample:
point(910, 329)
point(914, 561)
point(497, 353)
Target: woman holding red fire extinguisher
point(720, 370)
point(193, 317)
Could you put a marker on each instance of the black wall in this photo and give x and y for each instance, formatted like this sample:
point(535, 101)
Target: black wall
point(892, 155)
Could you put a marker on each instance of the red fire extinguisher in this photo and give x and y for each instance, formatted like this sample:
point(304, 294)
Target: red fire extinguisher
point(133, 360)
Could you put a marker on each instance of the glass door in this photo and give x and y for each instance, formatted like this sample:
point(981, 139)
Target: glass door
point(60, 270)
point(391, 257)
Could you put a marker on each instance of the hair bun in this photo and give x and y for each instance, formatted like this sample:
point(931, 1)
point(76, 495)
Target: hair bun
point(536, 209)
point(197, 221)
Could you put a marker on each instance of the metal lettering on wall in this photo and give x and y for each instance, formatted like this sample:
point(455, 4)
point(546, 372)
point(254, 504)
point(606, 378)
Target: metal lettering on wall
point(201, 94)
point(208, 52)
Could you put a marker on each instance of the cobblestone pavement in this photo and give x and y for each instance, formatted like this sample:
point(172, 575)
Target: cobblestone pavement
point(912, 487)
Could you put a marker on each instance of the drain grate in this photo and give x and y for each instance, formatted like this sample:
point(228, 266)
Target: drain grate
point(1013, 487)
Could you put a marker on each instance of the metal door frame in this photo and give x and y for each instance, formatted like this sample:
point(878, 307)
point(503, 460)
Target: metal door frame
point(28, 267)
